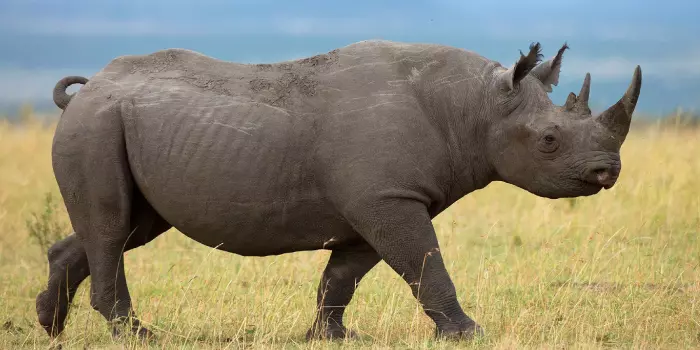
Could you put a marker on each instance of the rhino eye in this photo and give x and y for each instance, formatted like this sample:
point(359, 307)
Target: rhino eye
point(548, 144)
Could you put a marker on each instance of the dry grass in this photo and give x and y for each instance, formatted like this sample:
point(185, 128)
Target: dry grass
point(620, 269)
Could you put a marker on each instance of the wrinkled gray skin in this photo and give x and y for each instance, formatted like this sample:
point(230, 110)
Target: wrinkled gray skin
point(354, 151)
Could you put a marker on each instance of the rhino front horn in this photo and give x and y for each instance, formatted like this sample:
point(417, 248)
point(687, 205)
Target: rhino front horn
point(618, 117)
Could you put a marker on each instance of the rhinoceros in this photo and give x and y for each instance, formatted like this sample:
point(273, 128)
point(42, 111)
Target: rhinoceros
point(354, 151)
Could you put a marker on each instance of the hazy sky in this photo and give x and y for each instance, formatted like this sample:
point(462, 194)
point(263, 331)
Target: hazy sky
point(42, 41)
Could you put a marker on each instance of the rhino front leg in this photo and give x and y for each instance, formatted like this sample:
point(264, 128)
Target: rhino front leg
point(344, 271)
point(401, 231)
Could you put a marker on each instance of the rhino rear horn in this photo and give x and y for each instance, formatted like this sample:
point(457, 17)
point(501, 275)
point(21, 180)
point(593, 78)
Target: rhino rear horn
point(618, 117)
point(580, 103)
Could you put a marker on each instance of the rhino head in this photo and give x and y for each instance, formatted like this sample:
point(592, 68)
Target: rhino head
point(549, 150)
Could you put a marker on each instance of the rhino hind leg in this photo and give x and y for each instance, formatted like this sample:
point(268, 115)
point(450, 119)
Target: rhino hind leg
point(343, 272)
point(104, 231)
point(68, 267)
point(93, 174)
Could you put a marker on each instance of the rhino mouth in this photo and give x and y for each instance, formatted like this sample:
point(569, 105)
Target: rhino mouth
point(592, 187)
point(599, 186)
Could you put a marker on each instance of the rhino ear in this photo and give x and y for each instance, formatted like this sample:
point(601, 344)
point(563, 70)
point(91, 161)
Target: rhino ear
point(512, 77)
point(548, 72)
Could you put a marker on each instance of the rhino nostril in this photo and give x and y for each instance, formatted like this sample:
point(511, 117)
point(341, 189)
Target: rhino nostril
point(606, 176)
point(603, 176)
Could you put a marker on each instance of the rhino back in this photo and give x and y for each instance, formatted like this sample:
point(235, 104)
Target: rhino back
point(356, 74)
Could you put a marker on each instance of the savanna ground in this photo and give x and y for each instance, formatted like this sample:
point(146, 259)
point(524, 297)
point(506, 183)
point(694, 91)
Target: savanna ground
point(619, 269)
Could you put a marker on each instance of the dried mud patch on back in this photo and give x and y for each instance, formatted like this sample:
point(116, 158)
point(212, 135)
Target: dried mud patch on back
point(260, 84)
point(322, 60)
point(264, 67)
point(181, 66)
point(304, 83)
point(283, 88)
point(158, 61)
point(319, 62)
point(208, 83)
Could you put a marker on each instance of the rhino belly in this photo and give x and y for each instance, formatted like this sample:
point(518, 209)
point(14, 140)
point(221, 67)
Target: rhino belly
point(256, 228)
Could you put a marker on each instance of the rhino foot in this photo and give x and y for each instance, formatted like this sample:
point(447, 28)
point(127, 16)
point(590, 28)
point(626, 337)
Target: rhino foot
point(467, 332)
point(51, 317)
point(330, 333)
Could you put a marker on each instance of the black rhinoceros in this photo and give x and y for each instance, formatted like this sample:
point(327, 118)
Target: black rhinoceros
point(354, 151)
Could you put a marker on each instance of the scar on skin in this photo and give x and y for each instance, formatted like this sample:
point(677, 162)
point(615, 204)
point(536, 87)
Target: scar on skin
point(372, 106)
point(242, 129)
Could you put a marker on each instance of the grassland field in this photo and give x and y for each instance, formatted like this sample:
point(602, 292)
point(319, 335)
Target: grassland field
point(620, 269)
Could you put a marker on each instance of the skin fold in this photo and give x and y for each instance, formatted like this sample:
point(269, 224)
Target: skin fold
point(354, 151)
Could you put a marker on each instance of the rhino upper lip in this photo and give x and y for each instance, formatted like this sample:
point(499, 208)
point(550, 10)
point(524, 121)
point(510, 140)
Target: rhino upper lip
point(596, 184)
point(593, 184)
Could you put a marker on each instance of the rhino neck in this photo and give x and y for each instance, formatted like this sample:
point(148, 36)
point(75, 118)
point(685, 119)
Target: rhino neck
point(470, 166)
point(454, 100)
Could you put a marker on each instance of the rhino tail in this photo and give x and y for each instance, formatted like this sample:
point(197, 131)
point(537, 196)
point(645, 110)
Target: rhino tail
point(60, 97)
